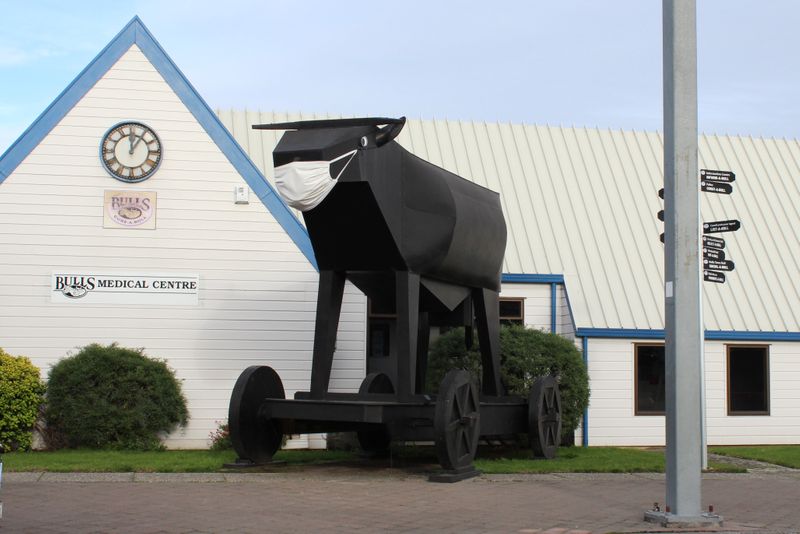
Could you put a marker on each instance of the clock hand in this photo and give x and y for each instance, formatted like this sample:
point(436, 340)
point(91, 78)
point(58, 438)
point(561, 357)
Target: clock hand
point(131, 144)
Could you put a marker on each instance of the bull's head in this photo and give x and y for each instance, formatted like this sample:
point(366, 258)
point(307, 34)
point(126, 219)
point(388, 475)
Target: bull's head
point(312, 156)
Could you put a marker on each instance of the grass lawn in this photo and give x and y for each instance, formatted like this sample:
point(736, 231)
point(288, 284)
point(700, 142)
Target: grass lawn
point(200, 461)
point(589, 460)
point(786, 455)
point(491, 460)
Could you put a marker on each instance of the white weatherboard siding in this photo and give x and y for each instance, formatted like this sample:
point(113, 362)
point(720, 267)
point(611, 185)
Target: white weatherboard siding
point(537, 303)
point(611, 411)
point(257, 292)
point(564, 325)
point(538, 306)
point(611, 407)
point(782, 426)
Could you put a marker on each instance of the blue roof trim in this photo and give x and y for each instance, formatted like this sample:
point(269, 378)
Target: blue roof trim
point(716, 335)
point(731, 335)
point(620, 333)
point(135, 32)
point(532, 278)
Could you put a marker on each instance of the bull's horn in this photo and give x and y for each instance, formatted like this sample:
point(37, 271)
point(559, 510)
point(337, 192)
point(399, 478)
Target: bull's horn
point(389, 132)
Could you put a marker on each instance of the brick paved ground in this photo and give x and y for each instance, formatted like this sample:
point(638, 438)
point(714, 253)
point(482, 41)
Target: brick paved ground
point(352, 501)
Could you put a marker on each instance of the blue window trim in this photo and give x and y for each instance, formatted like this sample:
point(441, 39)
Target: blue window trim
point(135, 32)
point(553, 303)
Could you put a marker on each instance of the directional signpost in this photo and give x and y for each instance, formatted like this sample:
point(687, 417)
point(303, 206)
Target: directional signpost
point(714, 187)
point(714, 262)
point(718, 265)
point(717, 176)
point(713, 242)
point(713, 253)
point(716, 227)
point(713, 276)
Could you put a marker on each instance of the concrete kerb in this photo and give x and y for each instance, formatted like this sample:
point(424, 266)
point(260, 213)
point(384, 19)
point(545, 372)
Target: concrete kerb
point(218, 477)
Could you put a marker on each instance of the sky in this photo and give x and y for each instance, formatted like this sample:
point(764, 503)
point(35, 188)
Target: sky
point(569, 62)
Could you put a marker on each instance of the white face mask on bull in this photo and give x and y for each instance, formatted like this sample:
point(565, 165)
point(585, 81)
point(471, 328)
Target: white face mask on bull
point(304, 184)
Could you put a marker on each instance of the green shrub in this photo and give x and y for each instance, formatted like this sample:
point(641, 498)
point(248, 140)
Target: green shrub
point(525, 354)
point(113, 397)
point(21, 390)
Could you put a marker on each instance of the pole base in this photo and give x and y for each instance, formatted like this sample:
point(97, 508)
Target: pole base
point(670, 520)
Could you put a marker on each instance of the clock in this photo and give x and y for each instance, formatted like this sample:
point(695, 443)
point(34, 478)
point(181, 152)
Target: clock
point(130, 151)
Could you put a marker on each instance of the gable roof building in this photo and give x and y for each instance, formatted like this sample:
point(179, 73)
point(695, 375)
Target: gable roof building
point(252, 262)
point(583, 251)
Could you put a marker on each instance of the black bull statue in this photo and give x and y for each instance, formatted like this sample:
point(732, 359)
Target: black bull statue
point(414, 238)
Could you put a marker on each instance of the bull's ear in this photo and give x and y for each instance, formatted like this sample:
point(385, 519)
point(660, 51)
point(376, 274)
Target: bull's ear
point(389, 132)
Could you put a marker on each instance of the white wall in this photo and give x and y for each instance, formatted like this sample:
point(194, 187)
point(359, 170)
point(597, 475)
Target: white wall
point(565, 325)
point(257, 291)
point(538, 306)
point(611, 410)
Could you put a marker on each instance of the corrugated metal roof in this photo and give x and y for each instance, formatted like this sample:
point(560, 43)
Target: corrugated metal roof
point(582, 202)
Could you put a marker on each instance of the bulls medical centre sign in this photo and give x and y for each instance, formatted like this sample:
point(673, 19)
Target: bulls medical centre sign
point(124, 288)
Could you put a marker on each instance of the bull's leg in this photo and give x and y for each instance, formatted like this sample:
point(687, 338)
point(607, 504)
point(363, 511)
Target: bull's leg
point(423, 340)
point(407, 291)
point(329, 307)
point(488, 323)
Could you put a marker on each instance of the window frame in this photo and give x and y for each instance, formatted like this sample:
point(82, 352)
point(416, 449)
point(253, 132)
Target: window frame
point(509, 318)
point(728, 407)
point(636, 410)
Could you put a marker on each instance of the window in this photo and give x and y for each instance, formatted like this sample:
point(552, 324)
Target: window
point(512, 310)
point(649, 384)
point(379, 340)
point(748, 380)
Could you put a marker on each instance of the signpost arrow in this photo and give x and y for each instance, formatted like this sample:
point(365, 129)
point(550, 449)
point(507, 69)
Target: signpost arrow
point(713, 276)
point(716, 187)
point(713, 242)
point(721, 226)
point(717, 265)
point(713, 253)
point(717, 176)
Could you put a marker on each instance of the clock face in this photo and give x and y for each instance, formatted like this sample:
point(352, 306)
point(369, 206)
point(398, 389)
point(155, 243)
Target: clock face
point(130, 151)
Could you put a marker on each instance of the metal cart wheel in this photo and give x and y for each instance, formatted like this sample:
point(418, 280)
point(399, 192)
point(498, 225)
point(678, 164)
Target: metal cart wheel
point(375, 439)
point(456, 420)
point(255, 438)
point(544, 417)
